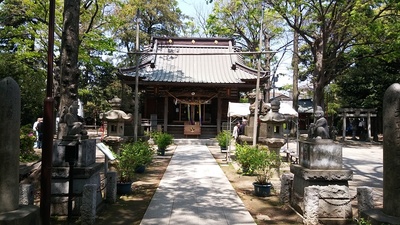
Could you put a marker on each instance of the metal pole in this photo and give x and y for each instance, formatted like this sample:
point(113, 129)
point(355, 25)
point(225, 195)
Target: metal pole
point(48, 123)
point(258, 83)
point(137, 79)
point(70, 188)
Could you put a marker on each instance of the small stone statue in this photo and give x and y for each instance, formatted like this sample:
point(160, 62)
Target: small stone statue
point(320, 128)
point(75, 127)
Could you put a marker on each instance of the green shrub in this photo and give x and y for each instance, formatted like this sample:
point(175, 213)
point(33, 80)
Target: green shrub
point(27, 140)
point(256, 161)
point(224, 137)
point(246, 157)
point(363, 221)
point(161, 139)
point(133, 155)
point(265, 161)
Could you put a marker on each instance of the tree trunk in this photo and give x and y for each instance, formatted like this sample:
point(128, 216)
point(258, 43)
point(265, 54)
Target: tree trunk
point(69, 59)
point(318, 95)
point(319, 73)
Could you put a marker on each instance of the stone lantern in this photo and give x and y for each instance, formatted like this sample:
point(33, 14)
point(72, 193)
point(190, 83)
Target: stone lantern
point(274, 138)
point(116, 120)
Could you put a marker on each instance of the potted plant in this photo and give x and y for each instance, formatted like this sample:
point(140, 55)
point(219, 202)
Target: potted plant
point(143, 155)
point(132, 156)
point(162, 140)
point(224, 138)
point(259, 161)
point(264, 162)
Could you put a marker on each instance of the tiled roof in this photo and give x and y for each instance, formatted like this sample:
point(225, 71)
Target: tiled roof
point(305, 106)
point(196, 68)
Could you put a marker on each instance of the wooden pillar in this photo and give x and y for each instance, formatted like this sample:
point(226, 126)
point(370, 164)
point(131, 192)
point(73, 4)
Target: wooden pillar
point(165, 113)
point(219, 114)
point(369, 125)
point(344, 126)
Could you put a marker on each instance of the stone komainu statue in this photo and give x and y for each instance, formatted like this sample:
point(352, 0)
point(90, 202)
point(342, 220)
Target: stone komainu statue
point(320, 128)
point(71, 118)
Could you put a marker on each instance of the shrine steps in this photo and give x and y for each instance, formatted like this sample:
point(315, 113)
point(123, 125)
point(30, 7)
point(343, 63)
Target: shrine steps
point(195, 141)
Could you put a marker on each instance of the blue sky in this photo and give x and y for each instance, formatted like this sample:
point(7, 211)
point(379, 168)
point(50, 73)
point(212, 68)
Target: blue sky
point(189, 7)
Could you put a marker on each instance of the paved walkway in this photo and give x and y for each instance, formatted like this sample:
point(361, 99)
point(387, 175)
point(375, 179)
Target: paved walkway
point(366, 162)
point(194, 190)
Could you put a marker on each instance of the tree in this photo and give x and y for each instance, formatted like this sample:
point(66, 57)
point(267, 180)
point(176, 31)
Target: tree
point(329, 29)
point(241, 20)
point(70, 73)
point(157, 18)
point(376, 66)
point(87, 60)
point(23, 52)
point(196, 25)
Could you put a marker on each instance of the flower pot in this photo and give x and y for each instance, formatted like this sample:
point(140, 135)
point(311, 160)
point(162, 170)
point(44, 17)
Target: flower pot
point(124, 188)
point(224, 149)
point(161, 151)
point(140, 169)
point(262, 190)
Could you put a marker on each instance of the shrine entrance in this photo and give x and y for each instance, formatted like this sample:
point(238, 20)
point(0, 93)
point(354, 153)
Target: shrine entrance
point(357, 121)
point(193, 113)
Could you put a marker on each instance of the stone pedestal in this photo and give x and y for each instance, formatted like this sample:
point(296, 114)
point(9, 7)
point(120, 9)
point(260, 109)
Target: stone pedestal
point(86, 171)
point(86, 154)
point(320, 154)
point(321, 167)
point(25, 214)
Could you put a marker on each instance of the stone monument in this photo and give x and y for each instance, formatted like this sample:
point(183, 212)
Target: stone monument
point(83, 170)
point(390, 214)
point(115, 119)
point(274, 120)
point(11, 212)
point(274, 138)
point(249, 128)
point(320, 167)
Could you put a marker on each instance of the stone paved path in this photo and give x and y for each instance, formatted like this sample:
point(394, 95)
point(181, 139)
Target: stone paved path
point(194, 190)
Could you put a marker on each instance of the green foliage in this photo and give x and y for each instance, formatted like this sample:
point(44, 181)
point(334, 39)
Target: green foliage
point(242, 20)
point(256, 160)
point(244, 99)
point(245, 156)
point(363, 221)
point(331, 98)
point(27, 139)
point(157, 18)
point(365, 83)
point(133, 155)
point(30, 77)
point(331, 31)
point(265, 161)
point(162, 139)
point(224, 137)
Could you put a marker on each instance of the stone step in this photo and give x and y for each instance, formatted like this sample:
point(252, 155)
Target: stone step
point(195, 141)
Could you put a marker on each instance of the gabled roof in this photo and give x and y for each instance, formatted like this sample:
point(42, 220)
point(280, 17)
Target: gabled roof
point(305, 106)
point(193, 60)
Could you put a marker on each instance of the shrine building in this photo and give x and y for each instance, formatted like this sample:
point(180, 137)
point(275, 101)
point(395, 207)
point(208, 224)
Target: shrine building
point(187, 83)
